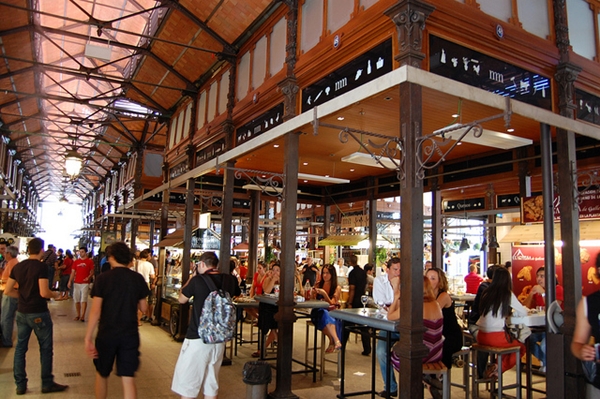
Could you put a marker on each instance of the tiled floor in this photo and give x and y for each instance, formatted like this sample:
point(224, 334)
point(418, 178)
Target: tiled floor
point(159, 354)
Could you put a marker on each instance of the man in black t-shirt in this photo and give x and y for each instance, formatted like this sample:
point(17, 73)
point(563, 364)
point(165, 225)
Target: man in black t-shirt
point(198, 364)
point(117, 295)
point(31, 275)
point(357, 279)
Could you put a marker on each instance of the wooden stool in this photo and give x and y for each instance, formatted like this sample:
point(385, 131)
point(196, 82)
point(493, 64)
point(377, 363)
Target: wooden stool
point(439, 368)
point(499, 352)
point(323, 360)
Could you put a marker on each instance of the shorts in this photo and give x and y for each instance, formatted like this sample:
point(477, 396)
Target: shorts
point(198, 366)
point(123, 348)
point(81, 292)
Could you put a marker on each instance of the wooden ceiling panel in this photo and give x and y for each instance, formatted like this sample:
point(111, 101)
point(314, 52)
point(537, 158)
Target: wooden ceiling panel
point(13, 17)
point(233, 17)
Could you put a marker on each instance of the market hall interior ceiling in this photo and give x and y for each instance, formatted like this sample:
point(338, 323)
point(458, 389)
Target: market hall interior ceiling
point(107, 81)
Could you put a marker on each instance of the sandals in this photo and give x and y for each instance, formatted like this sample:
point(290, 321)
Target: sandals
point(76, 318)
point(491, 372)
point(334, 348)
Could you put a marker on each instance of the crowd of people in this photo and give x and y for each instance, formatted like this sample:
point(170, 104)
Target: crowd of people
point(123, 292)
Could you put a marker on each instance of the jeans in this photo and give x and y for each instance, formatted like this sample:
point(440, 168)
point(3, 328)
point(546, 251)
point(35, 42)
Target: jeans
point(9, 309)
point(382, 359)
point(41, 324)
point(539, 351)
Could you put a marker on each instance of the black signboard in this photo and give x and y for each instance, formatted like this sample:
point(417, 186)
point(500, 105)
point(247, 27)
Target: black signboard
point(205, 239)
point(588, 107)
point(321, 219)
point(210, 151)
point(473, 68)
point(508, 200)
point(178, 170)
point(466, 205)
point(258, 126)
point(365, 68)
point(174, 198)
point(241, 203)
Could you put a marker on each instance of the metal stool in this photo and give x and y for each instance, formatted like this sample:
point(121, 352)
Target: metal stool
point(323, 360)
point(499, 352)
point(439, 368)
point(463, 354)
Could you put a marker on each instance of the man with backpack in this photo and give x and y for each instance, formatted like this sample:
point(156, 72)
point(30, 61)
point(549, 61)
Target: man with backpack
point(199, 363)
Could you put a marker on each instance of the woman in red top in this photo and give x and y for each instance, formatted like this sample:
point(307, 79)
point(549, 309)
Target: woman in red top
point(65, 272)
point(257, 287)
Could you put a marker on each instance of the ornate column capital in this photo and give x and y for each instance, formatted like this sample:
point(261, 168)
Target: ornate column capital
point(409, 17)
point(566, 75)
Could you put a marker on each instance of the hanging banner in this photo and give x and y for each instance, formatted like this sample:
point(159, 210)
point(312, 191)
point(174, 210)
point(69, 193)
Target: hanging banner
point(532, 210)
point(527, 259)
point(355, 221)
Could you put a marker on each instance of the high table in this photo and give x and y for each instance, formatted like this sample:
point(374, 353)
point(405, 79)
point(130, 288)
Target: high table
point(537, 322)
point(271, 299)
point(243, 302)
point(467, 300)
point(377, 321)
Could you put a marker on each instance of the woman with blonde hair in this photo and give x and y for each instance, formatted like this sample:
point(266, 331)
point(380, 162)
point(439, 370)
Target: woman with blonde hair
point(433, 321)
point(452, 331)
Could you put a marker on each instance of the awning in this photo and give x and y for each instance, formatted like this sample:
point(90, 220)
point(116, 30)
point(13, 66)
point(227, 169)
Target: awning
point(342, 240)
point(241, 247)
point(588, 230)
point(171, 240)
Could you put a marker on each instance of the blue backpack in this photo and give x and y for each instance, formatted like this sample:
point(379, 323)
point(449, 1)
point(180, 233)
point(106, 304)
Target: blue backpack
point(218, 318)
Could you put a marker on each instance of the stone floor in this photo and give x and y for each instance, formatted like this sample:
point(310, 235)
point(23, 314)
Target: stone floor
point(158, 356)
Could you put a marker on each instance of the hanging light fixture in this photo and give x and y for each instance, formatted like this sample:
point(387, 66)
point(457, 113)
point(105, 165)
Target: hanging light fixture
point(484, 245)
point(493, 243)
point(464, 244)
point(73, 163)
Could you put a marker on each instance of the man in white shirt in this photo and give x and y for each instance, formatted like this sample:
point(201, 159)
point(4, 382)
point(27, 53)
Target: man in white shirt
point(382, 286)
point(146, 269)
point(383, 293)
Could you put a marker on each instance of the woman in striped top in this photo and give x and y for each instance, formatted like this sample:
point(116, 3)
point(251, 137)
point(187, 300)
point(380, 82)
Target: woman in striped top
point(433, 321)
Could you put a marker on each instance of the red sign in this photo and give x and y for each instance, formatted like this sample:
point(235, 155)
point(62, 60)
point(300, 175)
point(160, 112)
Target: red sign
point(532, 210)
point(527, 259)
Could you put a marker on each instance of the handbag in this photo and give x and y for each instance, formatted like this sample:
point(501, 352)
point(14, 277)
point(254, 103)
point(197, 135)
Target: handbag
point(520, 332)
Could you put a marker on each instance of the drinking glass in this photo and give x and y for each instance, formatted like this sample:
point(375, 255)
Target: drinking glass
point(364, 299)
point(379, 306)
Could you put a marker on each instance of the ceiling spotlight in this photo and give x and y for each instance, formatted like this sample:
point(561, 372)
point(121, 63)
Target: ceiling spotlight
point(455, 115)
point(493, 243)
point(340, 118)
point(510, 130)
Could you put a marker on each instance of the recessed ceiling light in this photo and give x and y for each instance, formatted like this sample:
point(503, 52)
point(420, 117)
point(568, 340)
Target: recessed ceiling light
point(305, 163)
point(455, 115)
point(352, 170)
point(264, 176)
point(459, 143)
point(305, 181)
point(326, 175)
point(510, 130)
point(388, 98)
point(276, 145)
point(340, 118)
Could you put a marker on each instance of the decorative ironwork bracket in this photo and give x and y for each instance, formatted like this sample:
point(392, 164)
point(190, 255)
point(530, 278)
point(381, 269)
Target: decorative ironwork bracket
point(271, 184)
point(388, 150)
point(431, 144)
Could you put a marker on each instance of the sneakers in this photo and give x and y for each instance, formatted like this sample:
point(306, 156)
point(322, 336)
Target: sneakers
point(54, 388)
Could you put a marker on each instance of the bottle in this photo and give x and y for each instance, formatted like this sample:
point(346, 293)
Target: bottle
point(307, 290)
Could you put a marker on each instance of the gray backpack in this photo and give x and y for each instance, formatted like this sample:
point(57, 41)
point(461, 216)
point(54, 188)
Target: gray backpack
point(218, 318)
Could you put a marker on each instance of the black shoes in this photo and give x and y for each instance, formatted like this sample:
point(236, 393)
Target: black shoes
point(54, 388)
point(21, 391)
point(383, 394)
point(365, 353)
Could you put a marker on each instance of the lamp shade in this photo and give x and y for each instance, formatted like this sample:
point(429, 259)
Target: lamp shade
point(464, 244)
point(494, 243)
point(73, 163)
point(484, 245)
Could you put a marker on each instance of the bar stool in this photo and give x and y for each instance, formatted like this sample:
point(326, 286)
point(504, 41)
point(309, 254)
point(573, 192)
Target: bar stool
point(499, 352)
point(323, 358)
point(463, 355)
point(436, 369)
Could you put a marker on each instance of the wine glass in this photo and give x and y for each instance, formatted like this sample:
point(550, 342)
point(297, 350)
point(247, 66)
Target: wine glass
point(364, 299)
point(379, 306)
